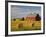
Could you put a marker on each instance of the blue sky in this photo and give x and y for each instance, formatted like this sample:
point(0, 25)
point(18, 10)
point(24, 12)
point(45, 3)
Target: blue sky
point(23, 11)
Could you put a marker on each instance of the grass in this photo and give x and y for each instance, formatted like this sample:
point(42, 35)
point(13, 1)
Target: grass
point(26, 25)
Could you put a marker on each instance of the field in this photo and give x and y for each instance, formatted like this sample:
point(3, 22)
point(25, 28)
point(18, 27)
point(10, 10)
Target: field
point(26, 25)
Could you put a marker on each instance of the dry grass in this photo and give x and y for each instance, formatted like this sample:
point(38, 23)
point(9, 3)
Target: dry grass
point(26, 25)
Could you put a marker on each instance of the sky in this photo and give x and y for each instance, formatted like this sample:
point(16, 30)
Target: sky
point(23, 11)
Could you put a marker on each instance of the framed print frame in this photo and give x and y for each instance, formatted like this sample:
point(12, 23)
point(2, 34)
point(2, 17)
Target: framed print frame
point(24, 18)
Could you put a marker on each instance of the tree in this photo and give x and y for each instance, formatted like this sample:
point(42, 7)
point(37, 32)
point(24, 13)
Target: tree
point(22, 19)
point(14, 19)
point(37, 18)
